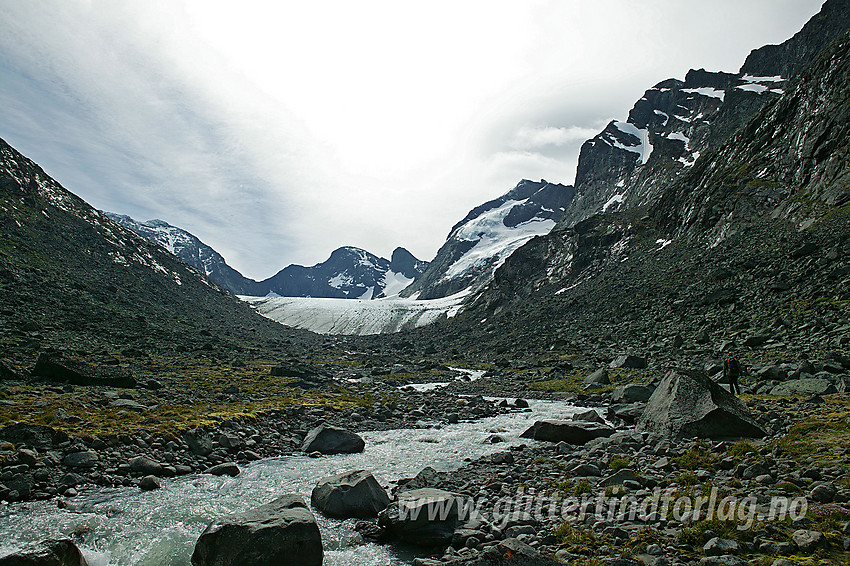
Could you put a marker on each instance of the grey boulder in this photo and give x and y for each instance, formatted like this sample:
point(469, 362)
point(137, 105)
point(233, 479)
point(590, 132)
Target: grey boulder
point(328, 439)
point(54, 552)
point(689, 404)
point(281, 532)
point(355, 494)
point(572, 432)
point(426, 517)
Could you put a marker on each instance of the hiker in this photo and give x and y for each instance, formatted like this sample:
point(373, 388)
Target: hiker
point(731, 372)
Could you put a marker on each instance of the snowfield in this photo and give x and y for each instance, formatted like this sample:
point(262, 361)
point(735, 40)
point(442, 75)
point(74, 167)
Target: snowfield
point(353, 316)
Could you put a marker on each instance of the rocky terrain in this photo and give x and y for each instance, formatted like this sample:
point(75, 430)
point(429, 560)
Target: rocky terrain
point(121, 366)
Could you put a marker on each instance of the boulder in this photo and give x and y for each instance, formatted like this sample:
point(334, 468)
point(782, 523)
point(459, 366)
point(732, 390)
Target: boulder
point(328, 439)
point(53, 552)
point(225, 469)
point(589, 416)
point(355, 494)
point(427, 477)
point(572, 432)
point(146, 466)
point(200, 443)
point(805, 386)
point(84, 459)
point(149, 483)
point(39, 437)
point(620, 477)
point(628, 362)
point(808, 541)
point(631, 393)
point(63, 368)
point(687, 403)
point(426, 517)
point(597, 379)
point(281, 532)
point(717, 546)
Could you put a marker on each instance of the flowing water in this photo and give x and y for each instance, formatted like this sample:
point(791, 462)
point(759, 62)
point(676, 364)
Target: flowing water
point(128, 526)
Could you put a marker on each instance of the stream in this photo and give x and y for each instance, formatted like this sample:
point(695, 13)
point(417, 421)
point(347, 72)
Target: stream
point(124, 526)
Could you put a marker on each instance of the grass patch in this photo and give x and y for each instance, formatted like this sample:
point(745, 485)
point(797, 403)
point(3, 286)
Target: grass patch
point(618, 463)
point(698, 457)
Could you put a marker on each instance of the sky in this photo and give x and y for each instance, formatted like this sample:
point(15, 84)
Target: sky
point(278, 131)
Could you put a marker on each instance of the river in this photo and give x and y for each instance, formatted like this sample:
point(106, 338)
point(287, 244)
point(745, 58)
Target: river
point(127, 526)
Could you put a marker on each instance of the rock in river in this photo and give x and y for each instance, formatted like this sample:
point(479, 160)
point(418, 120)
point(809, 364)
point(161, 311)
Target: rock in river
point(332, 440)
point(281, 532)
point(355, 494)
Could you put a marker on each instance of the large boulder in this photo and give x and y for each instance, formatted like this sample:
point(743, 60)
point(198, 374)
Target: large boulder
point(352, 494)
point(805, 386)
point(281, 532)
point(54, 552)
point(332, 440)
point(687, 403)
point(571, 432)
point(426, 517)
point(64, 368)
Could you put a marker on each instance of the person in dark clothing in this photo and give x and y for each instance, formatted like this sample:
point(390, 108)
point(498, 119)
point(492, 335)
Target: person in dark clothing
point(732, 372)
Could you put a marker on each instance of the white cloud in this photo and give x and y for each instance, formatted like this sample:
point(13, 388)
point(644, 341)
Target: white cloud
point(535, 137)
point(278, 131)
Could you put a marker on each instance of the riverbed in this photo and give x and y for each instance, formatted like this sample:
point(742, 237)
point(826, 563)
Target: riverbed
point(127, 526)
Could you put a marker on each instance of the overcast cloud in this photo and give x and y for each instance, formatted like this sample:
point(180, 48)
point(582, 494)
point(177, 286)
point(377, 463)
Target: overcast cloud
point(279, 131)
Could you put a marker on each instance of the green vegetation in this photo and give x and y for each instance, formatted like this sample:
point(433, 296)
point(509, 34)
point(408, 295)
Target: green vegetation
point(618, 463)
point(698, 457)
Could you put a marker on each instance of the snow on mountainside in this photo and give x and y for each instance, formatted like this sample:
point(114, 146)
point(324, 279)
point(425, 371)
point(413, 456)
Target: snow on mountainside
point(349, 272)
point(480, 243)
point(191, 250)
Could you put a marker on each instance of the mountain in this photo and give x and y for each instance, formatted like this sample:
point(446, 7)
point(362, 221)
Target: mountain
point(661, 246)
point(191, 250)
point(489, 233)
point(73, 280)
point(630, 163)
point(349, 272)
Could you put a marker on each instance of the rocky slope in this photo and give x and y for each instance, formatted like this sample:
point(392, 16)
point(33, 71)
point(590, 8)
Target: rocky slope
point(191, 250)
point(348, 273)
point(74, 280)
point(489, 233)
point(750, 240)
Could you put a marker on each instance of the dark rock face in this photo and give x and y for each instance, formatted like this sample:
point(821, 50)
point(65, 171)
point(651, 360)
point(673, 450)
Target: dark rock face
point(790, 57)
point(426, 517)
point(491, 221)
point(355, 494)
point(572, 432)
point(688, 403)
point(65, 369)
point(332, 440)
point(59, 552)
point(281, 532)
